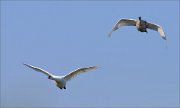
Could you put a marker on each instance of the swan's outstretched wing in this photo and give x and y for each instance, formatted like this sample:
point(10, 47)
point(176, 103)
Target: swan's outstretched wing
point(38, 69)
point(123, 22)
point(78, 71)
point(157, 28)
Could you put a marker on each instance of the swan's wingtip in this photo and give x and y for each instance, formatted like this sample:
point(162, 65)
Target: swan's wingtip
point(25, 64)
point(93, 67)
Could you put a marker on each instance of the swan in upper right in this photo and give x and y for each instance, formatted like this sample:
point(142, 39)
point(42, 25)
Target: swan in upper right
point(61, 80)
point(140, 24)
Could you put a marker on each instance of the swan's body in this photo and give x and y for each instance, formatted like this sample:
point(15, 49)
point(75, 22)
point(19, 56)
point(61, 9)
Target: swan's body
point(61, 80)
point(141, 26)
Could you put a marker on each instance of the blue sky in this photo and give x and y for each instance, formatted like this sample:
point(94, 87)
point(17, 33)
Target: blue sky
point(134, 69)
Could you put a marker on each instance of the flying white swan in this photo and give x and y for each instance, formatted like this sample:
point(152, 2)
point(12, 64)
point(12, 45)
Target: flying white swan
point(141, 25)
point(61, 80)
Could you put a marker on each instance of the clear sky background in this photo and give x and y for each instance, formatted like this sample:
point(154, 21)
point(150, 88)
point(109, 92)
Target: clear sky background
point(135, 69)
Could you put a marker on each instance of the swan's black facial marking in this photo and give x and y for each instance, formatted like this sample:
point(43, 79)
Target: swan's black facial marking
point(49, 77)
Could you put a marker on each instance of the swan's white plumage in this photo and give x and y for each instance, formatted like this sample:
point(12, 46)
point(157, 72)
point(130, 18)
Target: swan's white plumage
point(126, 22)
point(157, 28)
point(78, 71)
point(140, 24)
point(61, 80)
point(123, 22)
point(38, 69)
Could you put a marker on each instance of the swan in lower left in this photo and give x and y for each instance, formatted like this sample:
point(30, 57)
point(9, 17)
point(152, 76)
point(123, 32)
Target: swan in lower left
point(61, 80)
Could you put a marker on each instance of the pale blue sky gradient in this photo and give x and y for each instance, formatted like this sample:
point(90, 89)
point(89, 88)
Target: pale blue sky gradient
point(135, 69)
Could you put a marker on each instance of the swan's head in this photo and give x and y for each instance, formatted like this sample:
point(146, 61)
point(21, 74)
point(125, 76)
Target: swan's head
point(50, 77)
point(139, 18)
